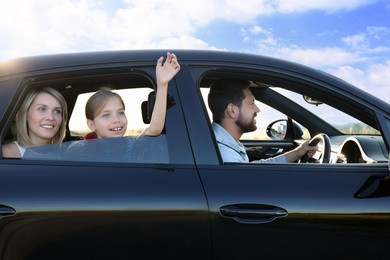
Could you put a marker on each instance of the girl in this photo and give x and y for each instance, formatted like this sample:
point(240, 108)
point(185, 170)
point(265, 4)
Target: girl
point(105, 110)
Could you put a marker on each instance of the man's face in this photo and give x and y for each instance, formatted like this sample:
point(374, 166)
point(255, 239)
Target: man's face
point(248, 111)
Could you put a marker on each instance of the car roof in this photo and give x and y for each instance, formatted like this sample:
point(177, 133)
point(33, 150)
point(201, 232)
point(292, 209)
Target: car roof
point(194, 57)
point(34, 63)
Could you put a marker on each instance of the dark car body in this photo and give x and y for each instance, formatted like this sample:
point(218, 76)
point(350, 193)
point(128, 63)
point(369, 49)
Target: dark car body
point(183, 201)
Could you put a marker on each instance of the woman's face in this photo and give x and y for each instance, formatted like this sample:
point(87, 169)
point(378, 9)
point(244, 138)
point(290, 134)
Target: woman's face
point(111, 120)
point(44, 118)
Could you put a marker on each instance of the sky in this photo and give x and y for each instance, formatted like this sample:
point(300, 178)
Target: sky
point(347, 38)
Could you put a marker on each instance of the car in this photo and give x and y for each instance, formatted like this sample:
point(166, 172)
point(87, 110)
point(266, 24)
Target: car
point(172, 196)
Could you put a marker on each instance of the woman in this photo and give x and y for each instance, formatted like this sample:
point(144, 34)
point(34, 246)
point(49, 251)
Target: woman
point(41, 120)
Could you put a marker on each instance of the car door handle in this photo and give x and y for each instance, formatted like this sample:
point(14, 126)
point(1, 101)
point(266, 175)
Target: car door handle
point(6, 211)
point(376, 186)
point(252, 213)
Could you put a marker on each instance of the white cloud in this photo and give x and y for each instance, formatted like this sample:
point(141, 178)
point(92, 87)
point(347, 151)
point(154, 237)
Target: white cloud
point(355, 76)
point(256, 30)
point(52, 26)
point(290, 6)
point(379, 75)
point(375, 79)
point(56, 26)
point(64, 26)
point(378, 32)
point(48, 26)
point(356, 40)
point(366, 41)
point(319, 58)
point(182, 42)
point(322, 58)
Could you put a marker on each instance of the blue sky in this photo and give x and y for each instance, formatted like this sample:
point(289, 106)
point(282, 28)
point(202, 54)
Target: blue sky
point(349, 38)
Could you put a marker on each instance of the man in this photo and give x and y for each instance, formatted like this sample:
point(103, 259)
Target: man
point(234, 111)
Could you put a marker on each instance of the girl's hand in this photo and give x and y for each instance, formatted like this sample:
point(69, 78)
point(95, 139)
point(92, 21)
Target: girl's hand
point(165, 72)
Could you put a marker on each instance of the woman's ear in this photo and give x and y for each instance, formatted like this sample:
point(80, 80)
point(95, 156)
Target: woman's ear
point(91, 124)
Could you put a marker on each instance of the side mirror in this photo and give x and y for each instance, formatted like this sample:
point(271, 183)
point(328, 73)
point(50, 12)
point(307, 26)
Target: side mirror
point(374, 187)
point(147, 106)
point(277, 130)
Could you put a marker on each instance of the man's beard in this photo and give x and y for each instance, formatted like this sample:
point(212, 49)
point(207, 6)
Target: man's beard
point(245, 125)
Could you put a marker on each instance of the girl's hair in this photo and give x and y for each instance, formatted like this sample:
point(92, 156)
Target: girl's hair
point(22, 131)
point(97, 101)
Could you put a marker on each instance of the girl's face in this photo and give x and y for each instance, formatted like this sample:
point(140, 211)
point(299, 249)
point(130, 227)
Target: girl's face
point(111, 120)
point(44, 118)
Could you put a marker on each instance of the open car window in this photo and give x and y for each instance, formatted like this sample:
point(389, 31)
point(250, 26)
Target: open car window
point(136, 91)
point(133, 99)
point(294, 112)
point(343, 122)
point(131, 148)
point(266, 116)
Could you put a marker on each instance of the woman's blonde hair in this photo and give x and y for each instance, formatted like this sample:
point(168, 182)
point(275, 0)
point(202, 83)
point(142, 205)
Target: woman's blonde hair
point(97, 101)
point(22, 131)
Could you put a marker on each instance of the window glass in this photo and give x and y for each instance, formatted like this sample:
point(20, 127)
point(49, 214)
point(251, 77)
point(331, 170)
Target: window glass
point(120, 149)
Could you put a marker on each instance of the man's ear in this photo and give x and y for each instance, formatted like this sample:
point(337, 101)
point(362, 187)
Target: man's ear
point(232, 111)
point(91, 125)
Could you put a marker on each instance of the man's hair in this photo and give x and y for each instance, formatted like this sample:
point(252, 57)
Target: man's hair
point(222, 93)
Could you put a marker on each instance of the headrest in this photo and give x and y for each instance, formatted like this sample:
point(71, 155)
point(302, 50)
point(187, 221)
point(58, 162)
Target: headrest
point(147, 106)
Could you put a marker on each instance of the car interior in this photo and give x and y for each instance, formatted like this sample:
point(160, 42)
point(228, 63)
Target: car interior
point(292, 112)
point(295, 105)
point(136, 90)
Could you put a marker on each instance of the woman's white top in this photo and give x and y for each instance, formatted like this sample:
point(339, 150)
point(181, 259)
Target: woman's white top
point(20, 148)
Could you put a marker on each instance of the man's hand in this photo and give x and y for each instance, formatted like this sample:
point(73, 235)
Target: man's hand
point(300, 151)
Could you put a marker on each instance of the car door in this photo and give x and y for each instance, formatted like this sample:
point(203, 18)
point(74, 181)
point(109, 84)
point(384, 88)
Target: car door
point(64, 209)
point(295, 211)
point(289, 210)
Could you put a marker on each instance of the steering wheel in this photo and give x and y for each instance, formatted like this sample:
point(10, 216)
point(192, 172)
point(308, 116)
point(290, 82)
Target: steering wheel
point(324, 156)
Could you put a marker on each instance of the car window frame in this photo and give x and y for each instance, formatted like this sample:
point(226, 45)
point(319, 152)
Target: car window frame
point(249, 72)
point(181, 150)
